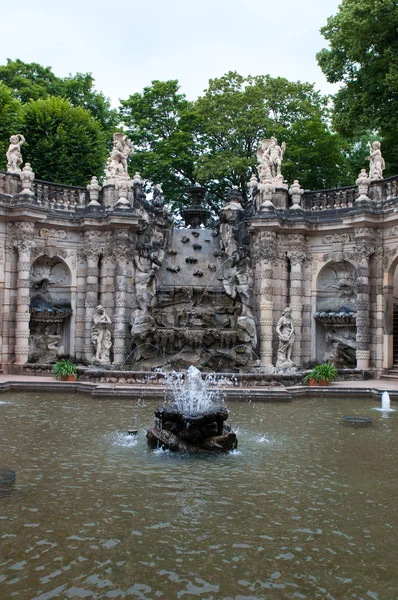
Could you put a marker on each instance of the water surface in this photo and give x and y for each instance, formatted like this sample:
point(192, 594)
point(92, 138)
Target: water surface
point(306, 508)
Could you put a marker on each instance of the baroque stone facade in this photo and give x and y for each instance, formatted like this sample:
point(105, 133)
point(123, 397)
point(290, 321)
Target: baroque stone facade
point(288, 279)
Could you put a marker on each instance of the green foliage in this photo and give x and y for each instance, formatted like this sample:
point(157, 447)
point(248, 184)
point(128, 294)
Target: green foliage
point(31, 81)
point(10, 120)
point(363, 56)
point(160, 125)
point(64, 144)
point(63, 368)
point(213, 141)
point(235, 113)
point(324, 372)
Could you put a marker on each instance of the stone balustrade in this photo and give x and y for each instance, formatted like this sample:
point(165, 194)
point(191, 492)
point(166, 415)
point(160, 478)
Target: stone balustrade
point(51, 196)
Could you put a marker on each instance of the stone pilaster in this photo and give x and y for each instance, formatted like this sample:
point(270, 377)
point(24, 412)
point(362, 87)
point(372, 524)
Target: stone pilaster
point(121, 319)
point(363, 249)
point(298, 256)
point(9, 302)
point(24, 248)
point(81, 275)
point(306, 314)
point(266, 311)
point(92, 250)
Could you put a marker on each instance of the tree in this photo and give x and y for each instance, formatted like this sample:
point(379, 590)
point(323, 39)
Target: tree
point(160, 125)
point(363, 56)
point(64, 143)
point(235, 113)
point(213, 141)
point(31, 81)
point(10, 120)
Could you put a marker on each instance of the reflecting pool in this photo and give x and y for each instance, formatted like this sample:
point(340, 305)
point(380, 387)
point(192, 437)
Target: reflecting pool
point(305, 508)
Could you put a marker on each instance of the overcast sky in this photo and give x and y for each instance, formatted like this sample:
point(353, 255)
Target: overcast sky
point(128, 44)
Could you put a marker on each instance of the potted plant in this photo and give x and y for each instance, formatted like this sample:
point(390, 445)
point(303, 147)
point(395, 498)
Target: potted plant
point(64, 370)
point(321, 375)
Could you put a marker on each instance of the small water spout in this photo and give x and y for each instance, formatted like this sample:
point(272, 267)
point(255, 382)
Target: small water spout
point(385, 401)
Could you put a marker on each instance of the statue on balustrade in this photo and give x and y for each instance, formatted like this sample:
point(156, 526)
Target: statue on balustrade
point(285, 332)
point(101, 336)
point(377, 164)
point(14, 155)
point(270, 156)
point(117, 162)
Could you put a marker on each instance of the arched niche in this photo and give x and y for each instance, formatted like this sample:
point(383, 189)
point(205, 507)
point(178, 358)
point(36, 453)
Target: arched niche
point(335, 316)
point(50, 309)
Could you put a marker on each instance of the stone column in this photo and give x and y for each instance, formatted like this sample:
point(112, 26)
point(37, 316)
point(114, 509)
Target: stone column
point(306, 315)
point(91, 300)
point(296, 304)
point(363, 250)
point(266, 311)
point(9, 308)
point(298, 255)
point(80, 304)
point(121, 318)
point(24, 248)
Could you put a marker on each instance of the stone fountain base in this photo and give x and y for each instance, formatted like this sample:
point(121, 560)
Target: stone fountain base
point(197, 433)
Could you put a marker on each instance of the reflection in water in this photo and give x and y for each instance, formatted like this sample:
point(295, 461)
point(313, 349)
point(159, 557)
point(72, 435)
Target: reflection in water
point(304, 509)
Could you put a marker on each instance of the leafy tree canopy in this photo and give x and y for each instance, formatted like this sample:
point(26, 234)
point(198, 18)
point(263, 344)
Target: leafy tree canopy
point(31, 81)
point(64, 143)
point(363, 56)
point(161, 126)
point(213, 141)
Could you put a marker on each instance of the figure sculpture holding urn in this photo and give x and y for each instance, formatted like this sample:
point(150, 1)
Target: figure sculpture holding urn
point(101, 336)
point(285, 332)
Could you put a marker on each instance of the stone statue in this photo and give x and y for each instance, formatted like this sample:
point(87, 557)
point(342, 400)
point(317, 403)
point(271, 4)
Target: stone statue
point(117, 162)
point(27, 178)
point(285, 332)
point(101, 336)
point(146, 264)
point(377, 164)
point(270, 156)
point(14, 156)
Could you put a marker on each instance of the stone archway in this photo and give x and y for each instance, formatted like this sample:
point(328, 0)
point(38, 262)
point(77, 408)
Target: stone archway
point(50, 310)
point(335, 316)
point(390, 349)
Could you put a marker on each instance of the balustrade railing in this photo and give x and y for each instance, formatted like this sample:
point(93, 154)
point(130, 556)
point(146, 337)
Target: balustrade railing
point(52, 196)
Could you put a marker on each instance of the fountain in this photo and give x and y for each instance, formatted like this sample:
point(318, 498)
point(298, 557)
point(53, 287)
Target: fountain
point(385, 403)
point(195, 421)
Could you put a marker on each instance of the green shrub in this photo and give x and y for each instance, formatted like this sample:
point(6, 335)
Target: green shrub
point(324, 372)
point(63, 368)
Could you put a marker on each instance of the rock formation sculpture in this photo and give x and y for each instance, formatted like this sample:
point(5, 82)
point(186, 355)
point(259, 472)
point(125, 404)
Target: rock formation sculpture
point(14, 155)
point(101, 335)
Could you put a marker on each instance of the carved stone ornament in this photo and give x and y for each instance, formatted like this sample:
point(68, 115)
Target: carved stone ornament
point(27, 178)
point(94, 189)
point(296, 192)
point(337, 241)
point(58, 234)
point(265, 246)
point(363, 183)
point(116, 165)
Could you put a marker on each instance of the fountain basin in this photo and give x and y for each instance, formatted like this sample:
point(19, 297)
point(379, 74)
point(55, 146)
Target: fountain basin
point(7, 478)
point(193, 432)
point(357, 421)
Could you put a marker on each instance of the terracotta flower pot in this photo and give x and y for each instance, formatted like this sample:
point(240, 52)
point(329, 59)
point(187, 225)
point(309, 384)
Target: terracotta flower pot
point(71, 378)
point(323, 382)
point(312, 382)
